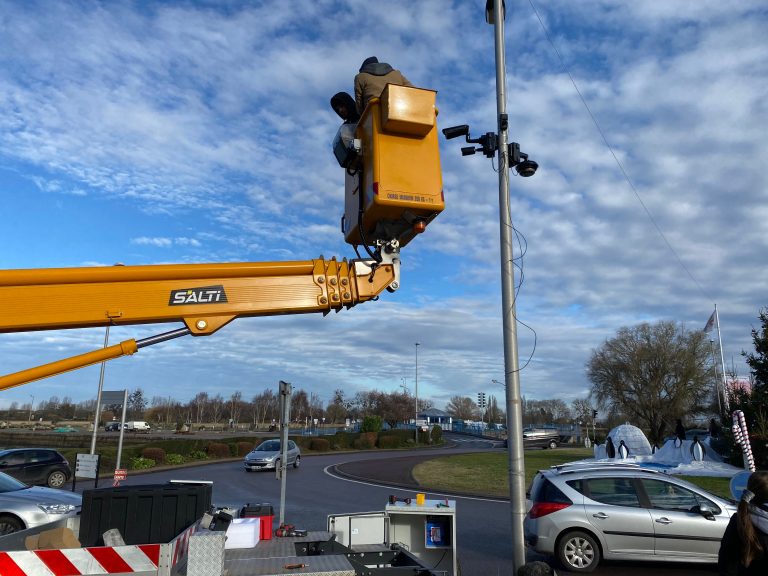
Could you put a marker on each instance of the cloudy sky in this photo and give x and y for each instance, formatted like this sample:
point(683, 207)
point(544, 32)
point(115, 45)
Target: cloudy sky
point(183, 132)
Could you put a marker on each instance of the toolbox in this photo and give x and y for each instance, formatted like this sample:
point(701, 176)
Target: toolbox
point(263, 511)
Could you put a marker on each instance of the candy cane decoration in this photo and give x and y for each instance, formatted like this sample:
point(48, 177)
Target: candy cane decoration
point(741, 435)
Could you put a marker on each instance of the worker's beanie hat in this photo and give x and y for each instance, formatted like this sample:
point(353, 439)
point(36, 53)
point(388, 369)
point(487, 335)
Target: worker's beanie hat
point(370, 60)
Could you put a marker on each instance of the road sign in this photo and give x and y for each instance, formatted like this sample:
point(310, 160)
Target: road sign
point(121, 474)
point(739, 483)
point(87, 465)
point(112, 397)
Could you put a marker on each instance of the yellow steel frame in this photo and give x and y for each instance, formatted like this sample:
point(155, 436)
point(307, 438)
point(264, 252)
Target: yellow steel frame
point(56, 298)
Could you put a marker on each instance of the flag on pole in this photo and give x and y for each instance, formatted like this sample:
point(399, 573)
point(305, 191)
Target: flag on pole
point(710, 323)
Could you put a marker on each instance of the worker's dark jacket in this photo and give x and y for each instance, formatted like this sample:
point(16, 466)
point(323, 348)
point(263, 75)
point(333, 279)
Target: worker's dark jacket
point(729, 559)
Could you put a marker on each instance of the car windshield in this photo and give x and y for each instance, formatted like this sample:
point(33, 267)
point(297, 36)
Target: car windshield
point(269, 446)
point(9, 484)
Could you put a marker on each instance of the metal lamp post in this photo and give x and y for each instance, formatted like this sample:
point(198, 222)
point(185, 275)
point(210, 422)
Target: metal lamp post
point(31, 406)
point(416, 394)
point(509, 155)
point(495, 16)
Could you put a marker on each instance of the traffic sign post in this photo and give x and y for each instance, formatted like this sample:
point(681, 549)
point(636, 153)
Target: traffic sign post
point(86, 466)
point(120, 474)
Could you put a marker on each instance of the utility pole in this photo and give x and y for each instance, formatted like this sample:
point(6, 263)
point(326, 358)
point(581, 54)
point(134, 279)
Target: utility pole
point(495, 12)
point(509, 155)
point(416, 394)
point(285, 421)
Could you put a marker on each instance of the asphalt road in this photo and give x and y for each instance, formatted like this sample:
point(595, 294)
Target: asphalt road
point(313, 492)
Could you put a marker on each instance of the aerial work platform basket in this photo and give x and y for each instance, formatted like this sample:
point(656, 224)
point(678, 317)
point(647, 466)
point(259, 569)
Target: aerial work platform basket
point(395, 187)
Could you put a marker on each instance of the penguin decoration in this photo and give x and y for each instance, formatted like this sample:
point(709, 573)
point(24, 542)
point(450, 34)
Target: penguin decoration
point(623, 450)
point(610, 449)
point(697, 450)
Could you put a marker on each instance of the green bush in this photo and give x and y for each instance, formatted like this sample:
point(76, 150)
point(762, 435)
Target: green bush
point(371, 424)
point(142, 463)
point(319, 444)
point(218, 450)
point(156, 454)
point(174, 459)
point(198, 455)
point(437, 434)
point(244, 447)
point(341, 441)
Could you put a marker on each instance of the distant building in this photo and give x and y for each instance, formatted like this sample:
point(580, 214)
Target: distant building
point(436, 416)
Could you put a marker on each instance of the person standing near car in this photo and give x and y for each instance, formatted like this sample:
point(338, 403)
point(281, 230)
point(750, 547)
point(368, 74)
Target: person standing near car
point(744, 547)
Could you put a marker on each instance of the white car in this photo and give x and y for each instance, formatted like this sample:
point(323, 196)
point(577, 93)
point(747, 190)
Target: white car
point(23, 506)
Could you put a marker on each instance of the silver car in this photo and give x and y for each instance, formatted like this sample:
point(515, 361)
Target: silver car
point(23, 506)
point(266, 456)
point(584, 513)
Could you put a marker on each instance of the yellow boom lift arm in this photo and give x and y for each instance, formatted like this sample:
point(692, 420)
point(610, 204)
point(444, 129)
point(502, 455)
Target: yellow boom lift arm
point(394, 155)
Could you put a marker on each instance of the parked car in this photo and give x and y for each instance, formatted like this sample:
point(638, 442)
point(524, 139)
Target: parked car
point(23, 506)
point(112, 427)
point(137, 426)
point(267, 456)
point(37, 466)
point(584, 513)
point(541, 438)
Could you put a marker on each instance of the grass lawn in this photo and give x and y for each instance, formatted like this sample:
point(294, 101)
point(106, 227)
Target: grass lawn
point(487, 473)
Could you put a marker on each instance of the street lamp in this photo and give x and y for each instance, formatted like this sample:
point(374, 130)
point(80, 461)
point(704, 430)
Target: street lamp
point(416, 393)
point(509, 156)
point(31, 405)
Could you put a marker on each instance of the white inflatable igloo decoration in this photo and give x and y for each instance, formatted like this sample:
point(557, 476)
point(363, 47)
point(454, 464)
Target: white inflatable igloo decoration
point(633, 438)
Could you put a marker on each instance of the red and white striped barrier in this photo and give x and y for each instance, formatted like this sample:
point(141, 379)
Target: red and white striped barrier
point(741, 435)
point(142, 559)
point(139, 560)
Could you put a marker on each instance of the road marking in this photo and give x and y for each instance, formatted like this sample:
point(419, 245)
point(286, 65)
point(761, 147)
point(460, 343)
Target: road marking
point(373, 484)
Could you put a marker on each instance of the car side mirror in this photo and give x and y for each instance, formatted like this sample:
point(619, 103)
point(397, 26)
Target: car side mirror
point(706, 511)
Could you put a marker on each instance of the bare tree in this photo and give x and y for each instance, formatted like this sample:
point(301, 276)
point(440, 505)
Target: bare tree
point(461, 407)
point(216, 406)
point(200, 402)
point(299, 405)
point(263, 406)
point(235, 406)
point(653, 373)
point(338, 408)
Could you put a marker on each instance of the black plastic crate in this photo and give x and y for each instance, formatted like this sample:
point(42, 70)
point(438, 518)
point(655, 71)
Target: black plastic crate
point(145, 514)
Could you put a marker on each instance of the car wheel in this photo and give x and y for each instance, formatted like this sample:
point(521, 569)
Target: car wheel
point(297, 462)
point(9, 524)
point(578, 552)
point(56, 479)
point(552, 444)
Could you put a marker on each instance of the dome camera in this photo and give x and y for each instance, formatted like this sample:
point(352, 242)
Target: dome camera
point(527, 168)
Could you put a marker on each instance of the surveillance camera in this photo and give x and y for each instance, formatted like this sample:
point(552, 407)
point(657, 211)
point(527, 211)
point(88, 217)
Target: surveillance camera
point(527, 168)
point(456, 131)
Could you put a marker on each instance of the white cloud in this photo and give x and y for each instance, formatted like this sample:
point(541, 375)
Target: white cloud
point(205, 131)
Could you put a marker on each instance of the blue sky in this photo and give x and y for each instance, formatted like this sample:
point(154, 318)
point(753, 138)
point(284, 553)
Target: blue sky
point(163, 132)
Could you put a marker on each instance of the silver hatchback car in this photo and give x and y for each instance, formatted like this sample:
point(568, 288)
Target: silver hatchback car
point(584, 513)
point(266, 456)
point(23, 506)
